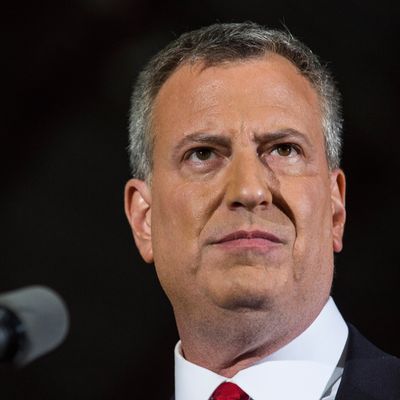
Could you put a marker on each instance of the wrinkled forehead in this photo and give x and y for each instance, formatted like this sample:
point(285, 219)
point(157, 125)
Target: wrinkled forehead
point(200, 63)
point(196, 93)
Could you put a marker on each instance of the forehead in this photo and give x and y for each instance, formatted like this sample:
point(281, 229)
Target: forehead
point(263, 93)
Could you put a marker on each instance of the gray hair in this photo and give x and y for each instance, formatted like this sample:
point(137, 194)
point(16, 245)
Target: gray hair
point(214, 45)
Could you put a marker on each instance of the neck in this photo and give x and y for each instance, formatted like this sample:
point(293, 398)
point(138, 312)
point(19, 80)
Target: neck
point(239, 339)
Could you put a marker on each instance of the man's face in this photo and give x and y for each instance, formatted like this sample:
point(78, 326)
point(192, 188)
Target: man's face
point(244, 211)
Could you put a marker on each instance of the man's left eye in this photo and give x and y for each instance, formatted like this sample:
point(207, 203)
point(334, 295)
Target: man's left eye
point(285, 150)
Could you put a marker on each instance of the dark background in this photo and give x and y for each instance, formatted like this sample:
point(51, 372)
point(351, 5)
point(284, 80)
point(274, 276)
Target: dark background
point(68, 71)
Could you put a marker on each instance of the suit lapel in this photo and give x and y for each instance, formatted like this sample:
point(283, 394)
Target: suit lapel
point(369, 373)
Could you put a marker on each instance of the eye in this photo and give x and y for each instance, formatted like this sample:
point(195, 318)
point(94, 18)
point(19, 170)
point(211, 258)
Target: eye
point(286, 150)
point(200, 154)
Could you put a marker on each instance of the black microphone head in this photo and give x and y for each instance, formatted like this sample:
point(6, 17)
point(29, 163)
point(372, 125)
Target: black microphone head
point(43, 321)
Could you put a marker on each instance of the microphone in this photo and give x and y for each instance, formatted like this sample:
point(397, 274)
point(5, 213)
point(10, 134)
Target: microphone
point(33, 321)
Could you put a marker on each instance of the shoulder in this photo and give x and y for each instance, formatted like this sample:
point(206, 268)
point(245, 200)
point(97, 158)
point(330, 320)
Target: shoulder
point(369, 373)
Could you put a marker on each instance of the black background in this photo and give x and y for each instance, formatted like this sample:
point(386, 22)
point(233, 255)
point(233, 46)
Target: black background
point(68, 68)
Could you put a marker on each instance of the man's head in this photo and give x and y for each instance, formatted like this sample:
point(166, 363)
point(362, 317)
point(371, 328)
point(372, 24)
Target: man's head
point(218, 44)
point(245, 205)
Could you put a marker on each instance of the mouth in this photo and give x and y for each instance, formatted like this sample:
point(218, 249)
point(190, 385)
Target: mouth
point(256, 239)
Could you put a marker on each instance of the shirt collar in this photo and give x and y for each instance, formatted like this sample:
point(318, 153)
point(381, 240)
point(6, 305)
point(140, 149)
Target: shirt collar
point(300, 370)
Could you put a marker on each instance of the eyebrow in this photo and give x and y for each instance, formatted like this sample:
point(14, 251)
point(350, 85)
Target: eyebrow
point(287, 133)
point(225, 141)
point(203, 138)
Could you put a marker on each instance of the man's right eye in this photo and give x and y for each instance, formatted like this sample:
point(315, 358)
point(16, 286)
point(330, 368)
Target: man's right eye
point(200, 154)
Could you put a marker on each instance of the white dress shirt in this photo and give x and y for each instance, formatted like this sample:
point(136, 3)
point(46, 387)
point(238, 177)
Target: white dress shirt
point(305, 369)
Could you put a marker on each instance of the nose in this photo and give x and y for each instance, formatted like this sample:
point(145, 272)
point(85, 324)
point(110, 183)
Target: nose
point(248, 184)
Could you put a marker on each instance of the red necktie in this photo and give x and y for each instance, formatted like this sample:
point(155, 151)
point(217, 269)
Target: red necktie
point(229, 391)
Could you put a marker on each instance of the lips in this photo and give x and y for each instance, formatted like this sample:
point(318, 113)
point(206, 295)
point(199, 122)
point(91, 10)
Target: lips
point(255, 236)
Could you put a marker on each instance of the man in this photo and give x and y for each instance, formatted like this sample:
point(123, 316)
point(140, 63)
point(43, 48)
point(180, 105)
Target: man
point(239, 201)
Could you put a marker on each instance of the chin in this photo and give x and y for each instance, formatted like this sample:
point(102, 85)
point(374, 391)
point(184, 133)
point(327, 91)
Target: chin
point(246, 303)
point(247, 288)
point(243, 299)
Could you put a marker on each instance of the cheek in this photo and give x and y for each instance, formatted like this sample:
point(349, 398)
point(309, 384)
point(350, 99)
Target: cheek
point(311, 207)
point(179, 213)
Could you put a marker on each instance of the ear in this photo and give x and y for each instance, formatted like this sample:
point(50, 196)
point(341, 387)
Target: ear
point(138, 212)
point(338, 196)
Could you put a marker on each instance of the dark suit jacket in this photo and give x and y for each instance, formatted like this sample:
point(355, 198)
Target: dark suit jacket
point(369, 373)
